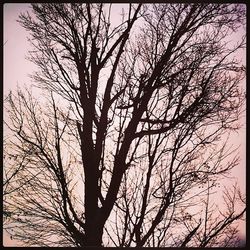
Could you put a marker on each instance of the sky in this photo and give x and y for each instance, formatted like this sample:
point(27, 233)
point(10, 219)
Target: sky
point(16, 69)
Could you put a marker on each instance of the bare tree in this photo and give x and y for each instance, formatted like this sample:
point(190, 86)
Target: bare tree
point(129, 145)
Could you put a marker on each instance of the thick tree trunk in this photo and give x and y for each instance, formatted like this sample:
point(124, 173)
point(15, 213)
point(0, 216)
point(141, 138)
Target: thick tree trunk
point(93, 230)
point(93, 235)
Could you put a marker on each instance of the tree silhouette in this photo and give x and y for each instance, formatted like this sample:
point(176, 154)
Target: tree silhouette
point(128, 144)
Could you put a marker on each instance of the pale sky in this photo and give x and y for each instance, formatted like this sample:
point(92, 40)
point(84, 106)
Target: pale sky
point(17, 68)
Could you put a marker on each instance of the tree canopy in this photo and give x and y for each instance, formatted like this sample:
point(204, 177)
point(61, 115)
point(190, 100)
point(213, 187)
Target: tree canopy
point(128, 144)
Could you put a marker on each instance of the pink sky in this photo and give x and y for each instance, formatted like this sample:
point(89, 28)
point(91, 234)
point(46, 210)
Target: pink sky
point(17, 68)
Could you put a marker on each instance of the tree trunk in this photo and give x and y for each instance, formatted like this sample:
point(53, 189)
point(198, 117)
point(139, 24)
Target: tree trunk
point(93, 235)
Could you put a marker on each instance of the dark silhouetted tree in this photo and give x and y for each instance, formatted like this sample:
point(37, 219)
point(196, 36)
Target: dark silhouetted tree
point(127, 144)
